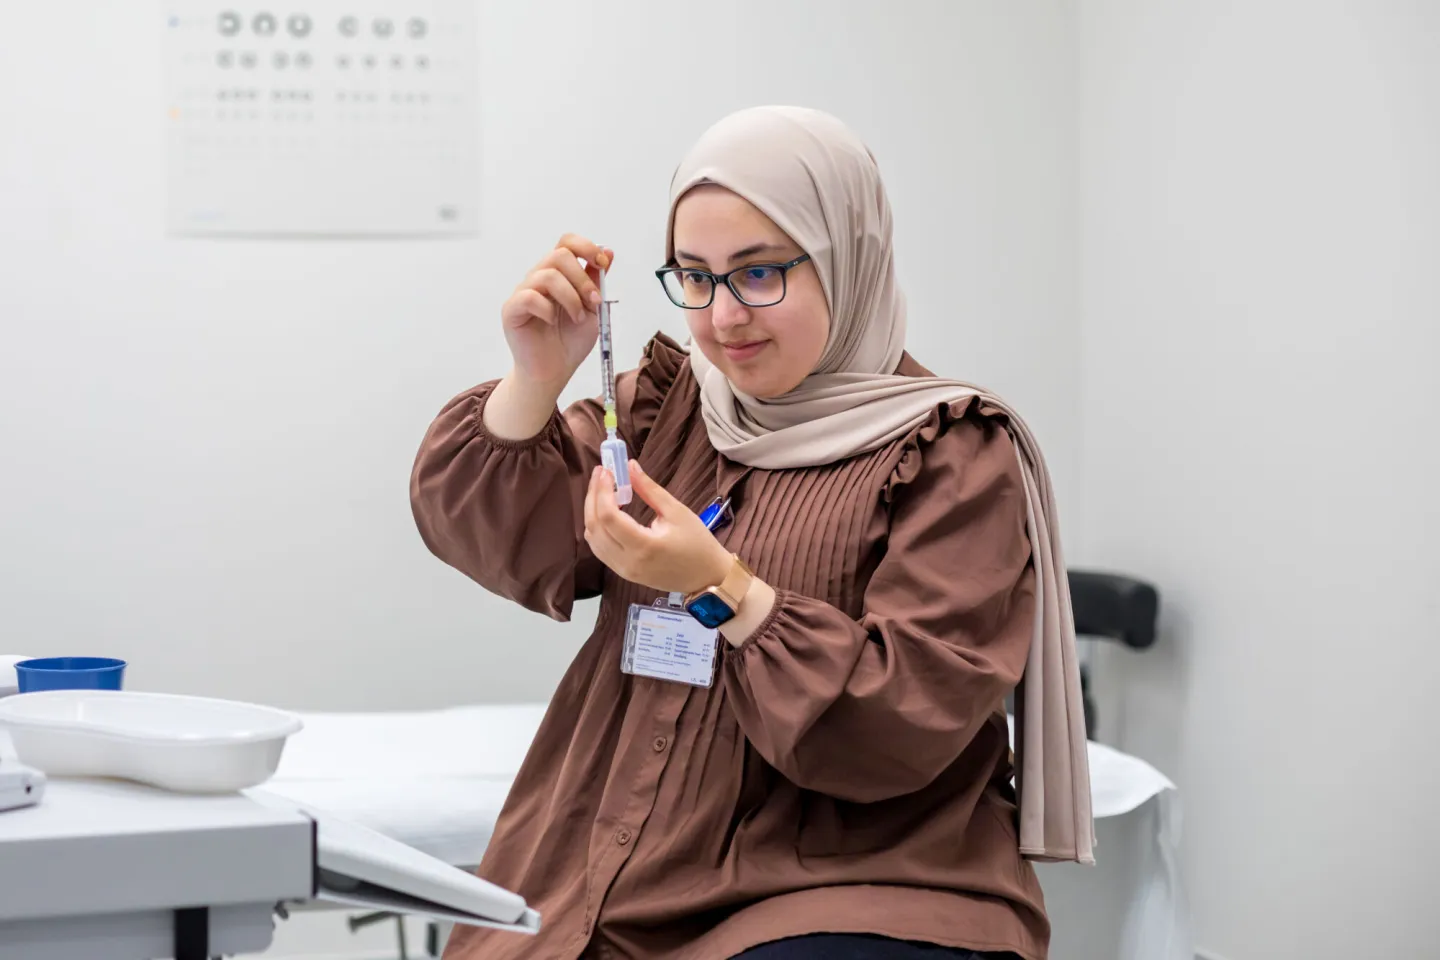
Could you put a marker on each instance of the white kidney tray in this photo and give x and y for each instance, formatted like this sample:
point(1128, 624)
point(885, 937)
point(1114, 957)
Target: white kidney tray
point(186, 744)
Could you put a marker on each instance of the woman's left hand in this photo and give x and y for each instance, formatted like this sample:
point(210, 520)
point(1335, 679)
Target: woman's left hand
point(674, 554)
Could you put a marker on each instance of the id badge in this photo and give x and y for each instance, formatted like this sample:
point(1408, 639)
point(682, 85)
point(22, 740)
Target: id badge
point(666, 643)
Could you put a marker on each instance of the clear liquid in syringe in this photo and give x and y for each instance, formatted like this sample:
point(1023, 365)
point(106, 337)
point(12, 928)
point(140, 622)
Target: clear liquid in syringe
point(607, 352)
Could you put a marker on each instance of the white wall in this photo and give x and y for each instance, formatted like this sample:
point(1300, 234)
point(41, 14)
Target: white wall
point(206, 444)
point(1261, 229)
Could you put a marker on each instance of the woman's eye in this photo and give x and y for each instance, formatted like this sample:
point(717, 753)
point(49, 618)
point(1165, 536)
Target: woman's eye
point(759, 274)
point(694, 277)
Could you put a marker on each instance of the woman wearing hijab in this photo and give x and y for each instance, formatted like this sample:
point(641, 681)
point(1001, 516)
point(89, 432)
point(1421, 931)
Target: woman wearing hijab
point(786, 736)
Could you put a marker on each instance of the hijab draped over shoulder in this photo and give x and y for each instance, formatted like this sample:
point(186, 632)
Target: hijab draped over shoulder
point(810, 174)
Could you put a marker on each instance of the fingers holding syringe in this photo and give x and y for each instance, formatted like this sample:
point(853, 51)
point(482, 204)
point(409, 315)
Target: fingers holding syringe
point(596, 257)
point(586, 249)
point(604, 522)
point(560, 290)
point(604, 260)
point(587, 289)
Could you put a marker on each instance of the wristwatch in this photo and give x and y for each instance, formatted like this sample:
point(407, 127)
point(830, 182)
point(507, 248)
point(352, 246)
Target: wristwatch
point(714, 606)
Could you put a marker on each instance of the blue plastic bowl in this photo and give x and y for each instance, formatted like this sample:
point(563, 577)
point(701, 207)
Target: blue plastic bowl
point(69, 673)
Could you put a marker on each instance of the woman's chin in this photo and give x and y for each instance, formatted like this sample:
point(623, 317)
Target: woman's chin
point(754, 377)
point(757, 384)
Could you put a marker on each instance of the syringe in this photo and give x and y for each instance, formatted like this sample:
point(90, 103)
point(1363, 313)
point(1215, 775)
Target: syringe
point(613, 453)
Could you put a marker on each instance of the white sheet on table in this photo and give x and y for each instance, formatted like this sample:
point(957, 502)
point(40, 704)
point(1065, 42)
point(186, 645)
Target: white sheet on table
point(479, 741)
point(1120, 783)
point(491, 741)
point(437, 780)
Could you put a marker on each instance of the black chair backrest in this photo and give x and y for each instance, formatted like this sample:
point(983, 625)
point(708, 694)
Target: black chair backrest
point(1114, 607)
point(1108, 606)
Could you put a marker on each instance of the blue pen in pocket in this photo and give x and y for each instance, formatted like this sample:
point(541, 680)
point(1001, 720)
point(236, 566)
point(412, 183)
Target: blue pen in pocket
point(716, 515)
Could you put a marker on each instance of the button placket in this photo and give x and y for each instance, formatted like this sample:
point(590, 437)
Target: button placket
point(643, 791)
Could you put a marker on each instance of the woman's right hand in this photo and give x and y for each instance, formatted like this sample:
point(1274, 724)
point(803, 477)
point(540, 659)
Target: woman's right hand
point(551, 320)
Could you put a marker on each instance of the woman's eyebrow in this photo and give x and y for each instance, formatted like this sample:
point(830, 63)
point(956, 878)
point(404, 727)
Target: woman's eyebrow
point(749, 251)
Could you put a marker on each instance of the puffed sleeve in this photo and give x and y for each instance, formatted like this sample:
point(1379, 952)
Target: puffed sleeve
point(869, 709)
point(510, 514)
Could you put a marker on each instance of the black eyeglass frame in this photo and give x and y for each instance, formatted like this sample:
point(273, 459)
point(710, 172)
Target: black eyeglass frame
point(718, 278)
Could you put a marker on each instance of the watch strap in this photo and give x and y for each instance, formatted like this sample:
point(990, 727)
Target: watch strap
point(733, 588)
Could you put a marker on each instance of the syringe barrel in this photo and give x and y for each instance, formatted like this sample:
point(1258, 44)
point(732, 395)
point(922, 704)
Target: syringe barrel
point(607, 348)
point(607, 356)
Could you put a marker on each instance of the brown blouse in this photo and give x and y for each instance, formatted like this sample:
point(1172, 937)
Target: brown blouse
point(849, 769)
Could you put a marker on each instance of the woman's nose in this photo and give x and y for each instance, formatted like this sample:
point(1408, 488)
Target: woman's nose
point(727, 312)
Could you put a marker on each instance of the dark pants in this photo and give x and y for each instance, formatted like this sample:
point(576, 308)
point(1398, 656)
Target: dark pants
point(860, 946)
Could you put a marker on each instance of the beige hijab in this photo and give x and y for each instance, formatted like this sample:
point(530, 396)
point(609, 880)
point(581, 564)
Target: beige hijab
point(817, 181)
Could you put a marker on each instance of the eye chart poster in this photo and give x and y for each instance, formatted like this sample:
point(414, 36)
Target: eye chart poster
point(321, 117)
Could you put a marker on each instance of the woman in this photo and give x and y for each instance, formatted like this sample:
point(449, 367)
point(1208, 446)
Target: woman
point(838, 782)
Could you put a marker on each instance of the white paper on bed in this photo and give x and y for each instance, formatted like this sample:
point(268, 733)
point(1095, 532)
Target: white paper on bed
point(479, 741)
point(361, 867)
point(366, 767)
point(1120, 783)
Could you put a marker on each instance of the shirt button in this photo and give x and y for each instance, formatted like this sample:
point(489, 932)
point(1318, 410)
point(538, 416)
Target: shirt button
point(623, 837)
point(660, 743)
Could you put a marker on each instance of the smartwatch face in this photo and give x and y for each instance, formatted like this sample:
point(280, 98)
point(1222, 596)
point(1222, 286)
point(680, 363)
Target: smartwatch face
point(710, 610)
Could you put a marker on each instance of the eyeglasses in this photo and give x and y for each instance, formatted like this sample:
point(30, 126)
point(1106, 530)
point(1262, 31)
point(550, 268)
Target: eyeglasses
point(755, 285)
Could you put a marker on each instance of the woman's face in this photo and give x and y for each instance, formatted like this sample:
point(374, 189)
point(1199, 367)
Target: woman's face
point(763, 351)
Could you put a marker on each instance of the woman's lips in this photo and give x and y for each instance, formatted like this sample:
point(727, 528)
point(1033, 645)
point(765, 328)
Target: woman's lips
point(745, 350)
